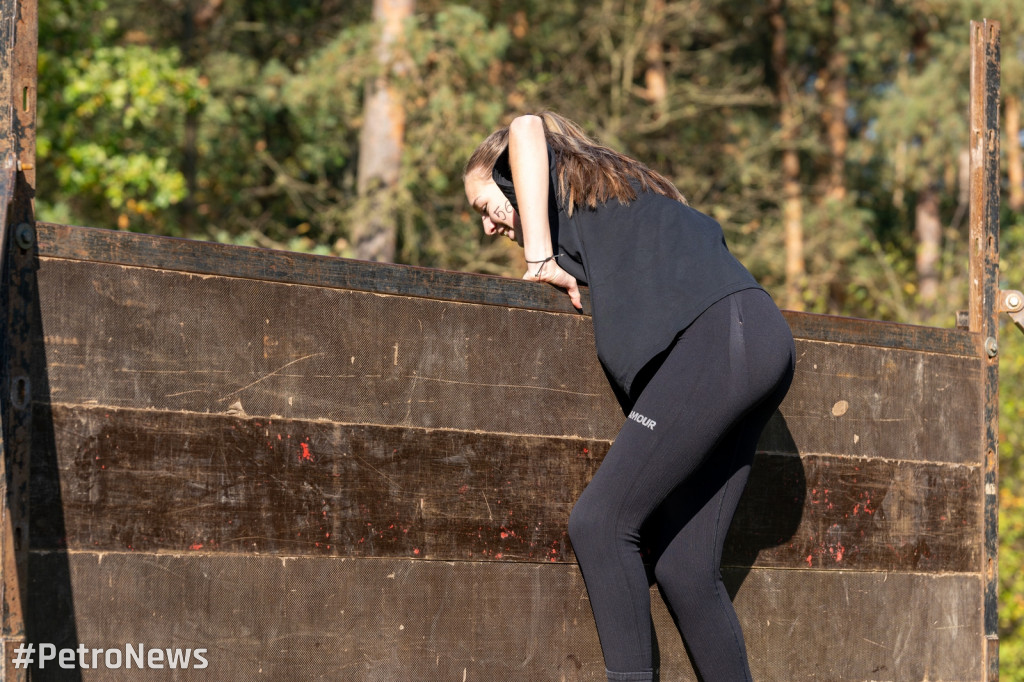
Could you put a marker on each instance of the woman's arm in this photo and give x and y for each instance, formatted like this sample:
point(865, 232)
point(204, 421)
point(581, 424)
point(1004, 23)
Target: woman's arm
point(528, 158)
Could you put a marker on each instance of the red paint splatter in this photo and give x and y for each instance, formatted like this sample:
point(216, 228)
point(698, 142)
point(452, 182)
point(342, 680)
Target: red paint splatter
point(306, 454)
point(809, 560)
point(416, 551)
point(504, 535)
point(196, 545)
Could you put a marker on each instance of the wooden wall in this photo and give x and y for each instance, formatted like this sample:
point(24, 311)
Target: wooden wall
point(325, 469)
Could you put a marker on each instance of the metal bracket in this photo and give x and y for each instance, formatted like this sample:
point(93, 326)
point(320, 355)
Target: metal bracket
point(1012, 301)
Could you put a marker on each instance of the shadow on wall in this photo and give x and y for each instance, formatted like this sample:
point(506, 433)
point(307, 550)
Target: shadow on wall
point(49, 610)
point(772, 505)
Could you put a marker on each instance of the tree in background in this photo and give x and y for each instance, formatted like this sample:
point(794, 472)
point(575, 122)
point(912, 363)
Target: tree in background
point(792, 193)
point(110, 119)
point(380, 142)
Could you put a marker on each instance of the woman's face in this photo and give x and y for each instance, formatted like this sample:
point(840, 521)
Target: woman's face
point(494, 208)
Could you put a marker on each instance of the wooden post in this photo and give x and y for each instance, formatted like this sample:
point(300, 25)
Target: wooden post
point(984, 297)
point(18, 52)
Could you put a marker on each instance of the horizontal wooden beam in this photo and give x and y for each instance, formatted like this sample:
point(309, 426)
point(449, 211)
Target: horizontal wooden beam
point(207, 258)
point(141, 338)
point(397, 619)
point(142, 480)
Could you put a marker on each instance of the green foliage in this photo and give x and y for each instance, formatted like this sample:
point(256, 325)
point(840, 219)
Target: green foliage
point(1011, 503)
point(294, 132)
point(110, 144)
point(1011, 469)
point(453, 96)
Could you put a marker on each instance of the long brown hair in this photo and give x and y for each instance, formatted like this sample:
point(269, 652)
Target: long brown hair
point(588, 172)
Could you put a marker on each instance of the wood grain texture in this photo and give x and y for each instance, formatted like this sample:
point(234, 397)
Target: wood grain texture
point(134, 480)
point(141, 338)
point(135, 337)
point(330, 470)
point(881, 402)
point(168, 253)
point(314, 618)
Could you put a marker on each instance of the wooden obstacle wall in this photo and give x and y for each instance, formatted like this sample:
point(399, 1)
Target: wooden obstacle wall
point(315, 468)
point(326, 469)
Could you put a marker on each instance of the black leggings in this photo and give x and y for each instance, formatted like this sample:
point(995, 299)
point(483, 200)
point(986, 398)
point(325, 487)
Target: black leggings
point(671, 482)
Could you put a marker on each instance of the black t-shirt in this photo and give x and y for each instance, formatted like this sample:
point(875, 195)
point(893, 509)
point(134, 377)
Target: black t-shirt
point(653, 266)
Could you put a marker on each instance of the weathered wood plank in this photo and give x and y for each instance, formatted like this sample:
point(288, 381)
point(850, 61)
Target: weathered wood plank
point(865, 514)
point(316, 618)
point(139, 338)
point(984, 313)
point(159, 481)
point(168, 253)
point(883, 334)
point(19, 37)
point(881, 402)
point(144, 338)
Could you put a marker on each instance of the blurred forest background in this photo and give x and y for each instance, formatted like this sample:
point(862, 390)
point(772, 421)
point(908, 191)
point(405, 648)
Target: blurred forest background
point(828, 136)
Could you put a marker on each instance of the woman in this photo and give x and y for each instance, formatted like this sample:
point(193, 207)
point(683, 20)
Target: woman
point(698, 354)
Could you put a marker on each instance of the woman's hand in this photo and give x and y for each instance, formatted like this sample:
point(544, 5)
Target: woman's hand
point(552, 274)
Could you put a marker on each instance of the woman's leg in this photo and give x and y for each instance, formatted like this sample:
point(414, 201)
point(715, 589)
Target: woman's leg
point(687, 536)
point(706, 385)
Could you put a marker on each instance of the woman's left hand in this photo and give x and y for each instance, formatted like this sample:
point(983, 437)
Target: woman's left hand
point(552, 274)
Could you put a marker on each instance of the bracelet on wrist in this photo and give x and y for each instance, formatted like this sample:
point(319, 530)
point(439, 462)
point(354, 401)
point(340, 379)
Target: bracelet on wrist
point(542, 262)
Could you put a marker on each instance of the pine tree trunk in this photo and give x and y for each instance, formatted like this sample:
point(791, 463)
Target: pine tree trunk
point(1014, 167)
point(655, 75)
point(197, 17)
point(837, 101)
point(380, 144)
point(928, 229)
point(189, 165)
point(792, 195)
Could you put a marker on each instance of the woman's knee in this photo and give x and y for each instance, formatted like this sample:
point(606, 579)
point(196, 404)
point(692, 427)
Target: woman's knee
point(688, 583)
point(582, 522)
point(590, 525)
